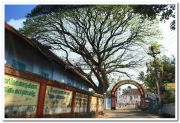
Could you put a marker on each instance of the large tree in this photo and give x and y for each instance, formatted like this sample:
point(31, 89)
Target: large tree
point(106, 39)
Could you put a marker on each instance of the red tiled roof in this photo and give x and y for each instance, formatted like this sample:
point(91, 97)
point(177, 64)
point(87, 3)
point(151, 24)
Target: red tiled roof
point(132, 92)
point(47, 53)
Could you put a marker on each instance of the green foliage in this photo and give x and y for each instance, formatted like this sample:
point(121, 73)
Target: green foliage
point(141, 76)
point(169, 96)
point(149, 81)
point(151, 11)
point(42, 10)
point(126, 90)
point(164, 11)
point(166, 67)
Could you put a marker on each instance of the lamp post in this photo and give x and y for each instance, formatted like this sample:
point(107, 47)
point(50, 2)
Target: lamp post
point(154, 53)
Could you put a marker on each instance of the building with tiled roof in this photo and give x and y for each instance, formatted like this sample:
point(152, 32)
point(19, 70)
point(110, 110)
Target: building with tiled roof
point(132, 96)
point(40, 84)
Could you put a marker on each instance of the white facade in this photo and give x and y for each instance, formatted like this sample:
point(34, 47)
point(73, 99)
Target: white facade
point(118, 94)
point(151, 95)
point(128, 98)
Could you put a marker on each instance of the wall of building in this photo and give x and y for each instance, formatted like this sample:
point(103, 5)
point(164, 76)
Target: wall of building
point(169, 109)
point(36, 86)
point(29, 95)
point(132, 99)
point(23, 57)
point(118, 92)
point(107, 103)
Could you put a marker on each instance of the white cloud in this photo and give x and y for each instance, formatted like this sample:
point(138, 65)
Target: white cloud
point(16, 23)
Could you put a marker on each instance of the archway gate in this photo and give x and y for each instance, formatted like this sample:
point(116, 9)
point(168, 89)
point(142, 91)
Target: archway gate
point(123, 82)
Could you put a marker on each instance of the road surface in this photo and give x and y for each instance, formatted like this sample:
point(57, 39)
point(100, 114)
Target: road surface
point(127, 113)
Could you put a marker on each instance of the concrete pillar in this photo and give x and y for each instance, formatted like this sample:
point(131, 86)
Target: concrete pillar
point(89, 103)
point(113, 103)
point(41, 99)
point(97, 104)
point(73, 103)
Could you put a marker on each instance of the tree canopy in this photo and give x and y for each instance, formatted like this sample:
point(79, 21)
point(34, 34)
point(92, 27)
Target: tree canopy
point(105, 39)
point(166, 68)
point(164, 11)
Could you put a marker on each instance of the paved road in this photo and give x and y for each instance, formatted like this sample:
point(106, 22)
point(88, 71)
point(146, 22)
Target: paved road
point(127, 113)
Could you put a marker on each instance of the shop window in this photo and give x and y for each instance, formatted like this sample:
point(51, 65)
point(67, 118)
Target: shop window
point(18, 65)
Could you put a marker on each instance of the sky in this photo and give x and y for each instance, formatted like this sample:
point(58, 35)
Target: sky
point(15, 15)
point(17, 12)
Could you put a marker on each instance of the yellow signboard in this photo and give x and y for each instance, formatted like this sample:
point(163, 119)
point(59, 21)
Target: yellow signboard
point(100, 104)
point(57, 100)
point(21, 97)
point(81, 102)
point(93, 104)
point(171, 85)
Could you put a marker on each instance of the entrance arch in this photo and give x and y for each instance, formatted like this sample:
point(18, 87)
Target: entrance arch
point(123, 82)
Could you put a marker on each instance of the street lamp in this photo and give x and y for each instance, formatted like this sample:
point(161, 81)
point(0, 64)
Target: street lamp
point(154, 52)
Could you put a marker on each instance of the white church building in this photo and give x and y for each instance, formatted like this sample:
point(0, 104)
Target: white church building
point(131, 97)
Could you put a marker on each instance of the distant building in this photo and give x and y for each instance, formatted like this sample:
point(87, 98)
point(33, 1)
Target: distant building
point(131, 97)
point(118, 94)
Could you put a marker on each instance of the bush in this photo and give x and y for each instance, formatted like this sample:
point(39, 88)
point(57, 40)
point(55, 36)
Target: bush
point(170, 97)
